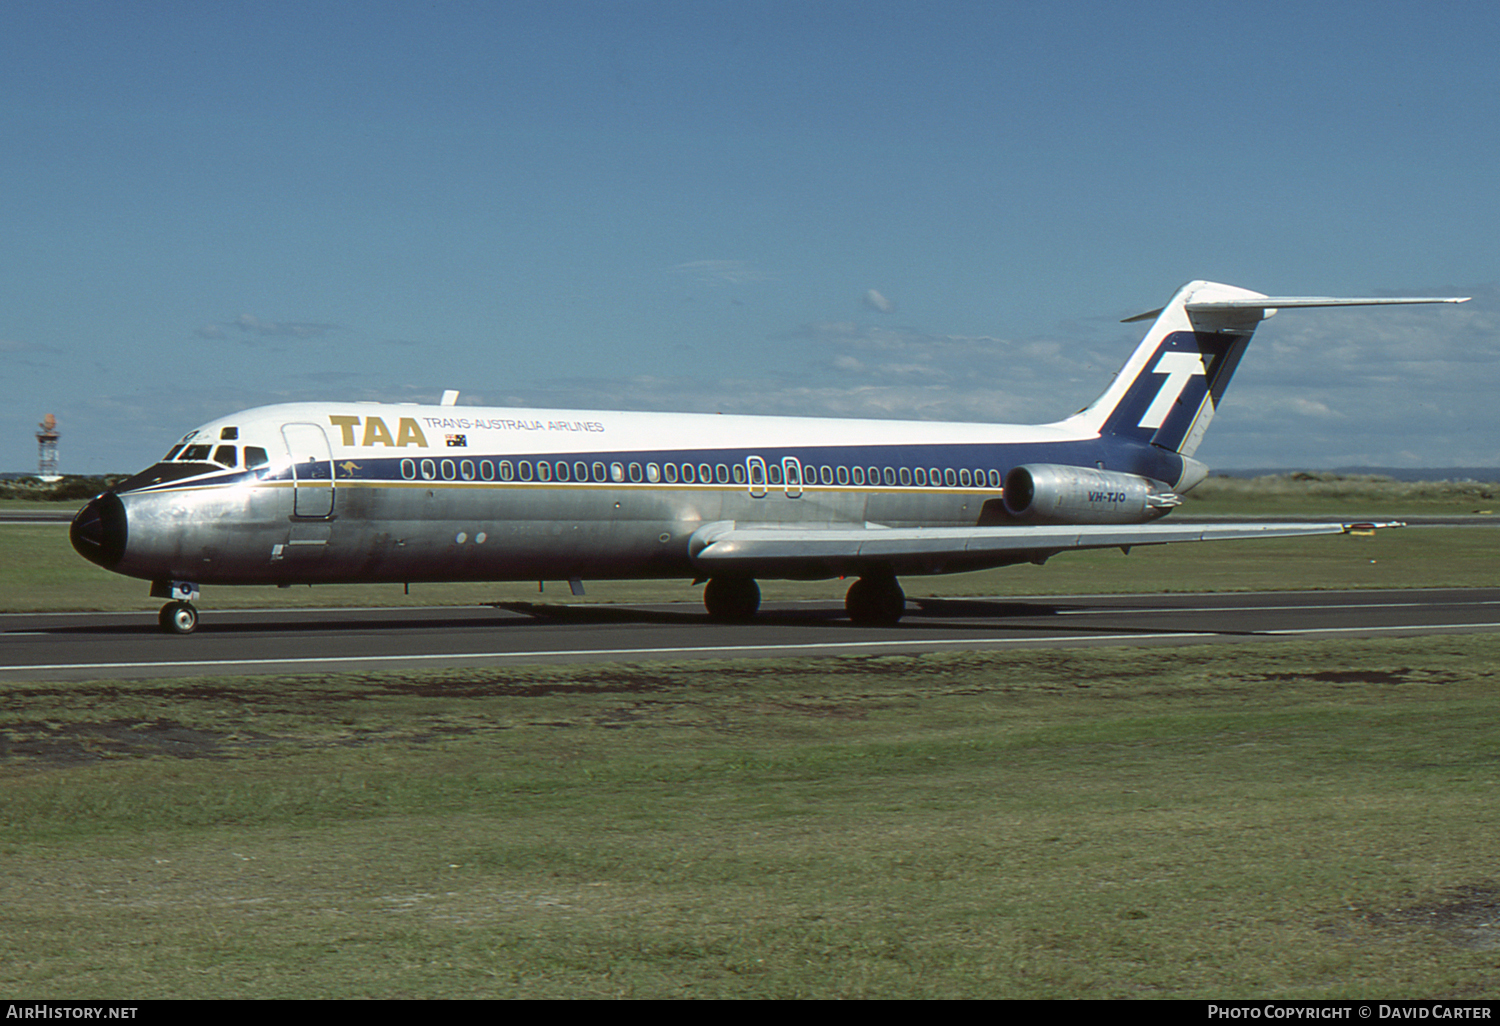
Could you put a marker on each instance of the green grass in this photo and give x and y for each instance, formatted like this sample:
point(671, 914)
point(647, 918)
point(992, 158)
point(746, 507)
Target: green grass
point(1325, 494)
point(1310, 820)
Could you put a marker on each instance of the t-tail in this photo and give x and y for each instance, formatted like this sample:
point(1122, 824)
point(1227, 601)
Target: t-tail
point(1168, 390)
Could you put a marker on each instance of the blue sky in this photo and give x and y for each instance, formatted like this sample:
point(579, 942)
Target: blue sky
point(927, 210)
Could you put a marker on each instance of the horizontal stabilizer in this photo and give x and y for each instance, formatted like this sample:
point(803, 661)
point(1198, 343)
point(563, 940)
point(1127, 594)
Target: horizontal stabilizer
point(1274, 303)
point(1270, 304)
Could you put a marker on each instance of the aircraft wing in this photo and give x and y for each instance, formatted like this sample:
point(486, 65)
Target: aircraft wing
point(814, 552)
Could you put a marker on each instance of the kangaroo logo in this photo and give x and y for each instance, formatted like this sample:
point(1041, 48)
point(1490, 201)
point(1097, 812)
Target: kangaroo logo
point(1179, 367)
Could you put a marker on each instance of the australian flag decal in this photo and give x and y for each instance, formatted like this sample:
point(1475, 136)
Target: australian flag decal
point(458, 441)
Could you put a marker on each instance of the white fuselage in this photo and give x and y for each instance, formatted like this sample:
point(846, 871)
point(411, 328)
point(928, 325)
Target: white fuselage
point(327, 492)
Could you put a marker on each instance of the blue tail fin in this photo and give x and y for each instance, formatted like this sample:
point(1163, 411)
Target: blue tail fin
point(1168, 390)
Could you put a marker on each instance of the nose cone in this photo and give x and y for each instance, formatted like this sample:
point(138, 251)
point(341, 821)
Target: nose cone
point(99, 529)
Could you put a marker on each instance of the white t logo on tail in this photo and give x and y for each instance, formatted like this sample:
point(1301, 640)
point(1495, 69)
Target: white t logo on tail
point(1179, 367)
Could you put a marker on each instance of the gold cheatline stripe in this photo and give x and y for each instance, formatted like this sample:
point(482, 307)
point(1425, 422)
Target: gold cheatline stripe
point(355, 482)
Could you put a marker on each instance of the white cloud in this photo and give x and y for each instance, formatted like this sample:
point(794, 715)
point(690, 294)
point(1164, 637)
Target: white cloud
point(248, 324)
point(722, 272)
point(1367, 386)
point(281, 329)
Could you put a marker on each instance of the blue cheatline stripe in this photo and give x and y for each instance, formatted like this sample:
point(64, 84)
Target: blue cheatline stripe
point(908, 465)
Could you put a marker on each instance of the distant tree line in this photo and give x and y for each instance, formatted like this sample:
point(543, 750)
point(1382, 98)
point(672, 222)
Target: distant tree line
point(71, 487)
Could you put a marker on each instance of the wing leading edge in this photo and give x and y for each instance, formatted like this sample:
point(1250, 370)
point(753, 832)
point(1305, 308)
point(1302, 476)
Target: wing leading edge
point(812, 553)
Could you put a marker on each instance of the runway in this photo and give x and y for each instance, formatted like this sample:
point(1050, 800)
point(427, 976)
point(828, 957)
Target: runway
point(89, 646)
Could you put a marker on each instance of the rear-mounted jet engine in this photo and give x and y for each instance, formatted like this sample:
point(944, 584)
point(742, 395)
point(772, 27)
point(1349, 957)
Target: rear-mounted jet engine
point(1044, 493)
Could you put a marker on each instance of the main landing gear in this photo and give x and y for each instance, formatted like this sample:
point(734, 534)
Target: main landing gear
point(179, 616)
point(875, 602)
point(731, 599)
point(871, 602)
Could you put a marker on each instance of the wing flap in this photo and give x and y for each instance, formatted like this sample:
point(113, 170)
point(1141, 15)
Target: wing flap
point(816, 552)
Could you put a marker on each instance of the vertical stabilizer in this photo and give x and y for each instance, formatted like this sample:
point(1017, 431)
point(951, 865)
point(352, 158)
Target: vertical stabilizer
point(1168, 390)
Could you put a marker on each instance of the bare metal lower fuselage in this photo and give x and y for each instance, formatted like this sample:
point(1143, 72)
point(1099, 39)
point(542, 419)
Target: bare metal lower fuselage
point(247, 533)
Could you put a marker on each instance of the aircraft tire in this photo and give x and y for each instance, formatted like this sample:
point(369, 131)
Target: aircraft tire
point(875, 602)
point(731, 599)
point(178, 618)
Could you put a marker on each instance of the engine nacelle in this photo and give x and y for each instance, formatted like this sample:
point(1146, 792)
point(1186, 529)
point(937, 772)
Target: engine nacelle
point(1045, 493)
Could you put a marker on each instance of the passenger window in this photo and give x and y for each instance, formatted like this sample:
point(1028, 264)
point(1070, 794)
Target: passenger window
point(949, 477)
point(523, 470)
point(705, 473)
point(255, 456)
point(653, 473)
point(635, 472)
point(670, 471)
point(688, 476)
point(842, 474)
point(599, 472)
point(920, 476)
point(890, 476)
point(739, 473)
point(506, 472)
point(963, 477)
point(543, 471)
point(859, 475)
point(228, 455)
point(562, 470)
point(617, 472)
point(721, 473)
point(580, 472)
point(773, 472)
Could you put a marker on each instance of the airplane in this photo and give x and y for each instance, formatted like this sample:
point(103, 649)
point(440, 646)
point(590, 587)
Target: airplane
point(325, 493)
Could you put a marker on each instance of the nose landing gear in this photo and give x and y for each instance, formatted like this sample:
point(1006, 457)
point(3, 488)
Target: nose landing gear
point(179, 616)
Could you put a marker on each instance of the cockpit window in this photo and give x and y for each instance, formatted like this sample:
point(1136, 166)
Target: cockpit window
point(195, 453)
point(164, 473)
point(174, 451)
point(227, 455)
point(255, 456)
